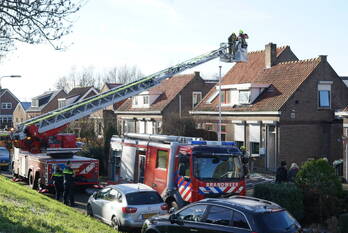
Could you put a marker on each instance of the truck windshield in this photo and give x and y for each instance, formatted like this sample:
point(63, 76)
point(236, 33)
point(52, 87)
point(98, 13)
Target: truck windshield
point(217, 167)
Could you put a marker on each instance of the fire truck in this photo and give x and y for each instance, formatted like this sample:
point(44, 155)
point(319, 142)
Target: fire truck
point(181, 169)
point(40, 146)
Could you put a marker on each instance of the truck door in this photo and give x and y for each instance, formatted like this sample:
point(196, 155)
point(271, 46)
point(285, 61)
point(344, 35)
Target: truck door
point(159, 165)
point(127, 163)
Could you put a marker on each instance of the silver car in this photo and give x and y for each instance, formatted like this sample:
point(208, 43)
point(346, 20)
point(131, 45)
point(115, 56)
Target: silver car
point(126, 205)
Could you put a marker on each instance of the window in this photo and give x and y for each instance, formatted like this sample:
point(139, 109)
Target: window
point(239, 132)
point(209, 126)
point(225, 96)
point(135, 100)
point(196, 98)
point(193, 213)
point(35, 103)
point(219, 215)
point(61, 103)
point(6, 105)
point(254, 146)
point(239, 220)
point(162, 159)
point(324, 94)
point(146, 99)
point(244, 97)
point(143, 198)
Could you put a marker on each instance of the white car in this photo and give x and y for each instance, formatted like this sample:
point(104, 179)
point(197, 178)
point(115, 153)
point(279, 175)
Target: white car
point(126, 205)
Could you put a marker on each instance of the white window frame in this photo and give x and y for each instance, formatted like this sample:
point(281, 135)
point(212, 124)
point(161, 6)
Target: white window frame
point(324, 86)
point(146, 100)
point(6, 105)
point(239, 94)
point(198, 96)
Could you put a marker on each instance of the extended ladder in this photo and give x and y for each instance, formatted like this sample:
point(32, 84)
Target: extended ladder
point(69, 113)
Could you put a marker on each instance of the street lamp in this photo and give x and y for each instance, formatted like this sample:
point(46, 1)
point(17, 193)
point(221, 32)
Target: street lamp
point(1, 77)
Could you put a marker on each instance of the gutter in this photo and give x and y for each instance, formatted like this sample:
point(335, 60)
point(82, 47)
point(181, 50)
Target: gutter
point(270, 113)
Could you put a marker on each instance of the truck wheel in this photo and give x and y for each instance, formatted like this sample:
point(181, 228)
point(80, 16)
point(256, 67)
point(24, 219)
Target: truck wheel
point(33, 181)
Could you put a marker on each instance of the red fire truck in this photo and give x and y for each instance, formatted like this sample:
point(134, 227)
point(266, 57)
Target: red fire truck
point(181, 169)
point(37, 168)
point(40, 146)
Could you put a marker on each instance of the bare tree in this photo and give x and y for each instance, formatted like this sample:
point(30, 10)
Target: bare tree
point(35, 21)
point(123, 74)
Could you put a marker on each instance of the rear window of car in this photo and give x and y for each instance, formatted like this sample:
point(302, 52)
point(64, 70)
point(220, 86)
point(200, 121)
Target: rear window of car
point(143, 198)
point(275, 221)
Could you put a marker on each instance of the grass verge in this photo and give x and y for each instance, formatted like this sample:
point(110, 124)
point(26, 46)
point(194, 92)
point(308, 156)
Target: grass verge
point(23, 210)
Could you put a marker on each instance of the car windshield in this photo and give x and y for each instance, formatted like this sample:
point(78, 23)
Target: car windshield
point(280, 221)
point(217, 167)
point(143, 198)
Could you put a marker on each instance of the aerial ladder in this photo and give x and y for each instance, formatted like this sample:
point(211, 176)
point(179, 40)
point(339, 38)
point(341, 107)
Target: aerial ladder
point(33, 134)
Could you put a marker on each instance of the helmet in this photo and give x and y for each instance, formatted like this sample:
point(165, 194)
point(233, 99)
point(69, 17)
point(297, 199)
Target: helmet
point(241, 31)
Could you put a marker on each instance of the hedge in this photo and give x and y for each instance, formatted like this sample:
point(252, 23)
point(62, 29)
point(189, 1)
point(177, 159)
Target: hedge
point(287, 195)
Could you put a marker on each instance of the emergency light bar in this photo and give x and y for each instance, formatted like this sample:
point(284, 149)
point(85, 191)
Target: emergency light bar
point(215, 143)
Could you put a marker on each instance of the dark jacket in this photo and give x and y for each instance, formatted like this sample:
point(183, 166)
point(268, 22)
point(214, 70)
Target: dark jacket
point(281, 175)
point(68, 176)
point(292, 174)
point(58, 179)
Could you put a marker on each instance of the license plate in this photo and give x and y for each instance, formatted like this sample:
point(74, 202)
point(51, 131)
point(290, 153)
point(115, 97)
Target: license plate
point(3, 164)
point(146, 216)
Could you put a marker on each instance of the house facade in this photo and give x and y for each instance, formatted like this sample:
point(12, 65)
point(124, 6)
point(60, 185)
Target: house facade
point(20, 113)
point(46, 102)
point(278, 107)
point(150, 110)
point(8, 103)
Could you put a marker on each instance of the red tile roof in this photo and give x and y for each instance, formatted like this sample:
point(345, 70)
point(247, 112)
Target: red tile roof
point(169, 88)
point(284, 79)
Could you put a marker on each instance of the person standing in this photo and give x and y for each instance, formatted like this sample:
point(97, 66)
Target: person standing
point(292, 172)
point(282, 173)
point(68, 173)
point(232, 43)
point(58, 181)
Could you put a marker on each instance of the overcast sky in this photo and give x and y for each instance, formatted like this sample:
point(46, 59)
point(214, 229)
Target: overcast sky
point(155, 34)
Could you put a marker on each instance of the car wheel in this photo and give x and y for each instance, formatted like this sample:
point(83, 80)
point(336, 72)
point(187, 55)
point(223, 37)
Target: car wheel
point(89, 210)
point(115, 223)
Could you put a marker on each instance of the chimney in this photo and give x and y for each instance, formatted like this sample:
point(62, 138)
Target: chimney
point(197, 74)
point(270, 55)
point(323, 58)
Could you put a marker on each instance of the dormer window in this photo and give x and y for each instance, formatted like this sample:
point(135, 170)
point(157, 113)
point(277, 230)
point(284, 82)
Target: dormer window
point(135, 101)
point(244, 97)
point(146, 99)
point(61, 102)
point(35, 103)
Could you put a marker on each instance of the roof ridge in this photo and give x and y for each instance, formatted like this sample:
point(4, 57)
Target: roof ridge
point(263, 50)
point(300, 61)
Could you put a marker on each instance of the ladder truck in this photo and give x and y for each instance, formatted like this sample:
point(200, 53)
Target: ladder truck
point(40, 147)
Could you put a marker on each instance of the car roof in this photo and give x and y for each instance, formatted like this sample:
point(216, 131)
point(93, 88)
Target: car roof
point(245, 204)
point(132, 188)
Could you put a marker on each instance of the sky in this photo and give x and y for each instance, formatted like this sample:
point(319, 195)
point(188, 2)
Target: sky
point(155, 34)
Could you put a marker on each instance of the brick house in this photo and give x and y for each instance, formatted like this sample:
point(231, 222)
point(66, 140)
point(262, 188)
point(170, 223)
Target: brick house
point(77, 95)
point(279, 107)
point(46, 102)
point(20, 113)
point(8, 102)
point(174, 97)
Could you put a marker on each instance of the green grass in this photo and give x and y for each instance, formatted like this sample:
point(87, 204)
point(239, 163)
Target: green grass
point(25, 210)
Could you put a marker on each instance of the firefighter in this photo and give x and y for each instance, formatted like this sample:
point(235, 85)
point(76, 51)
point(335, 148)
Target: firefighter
point(232, 43)
point(58, 181)
point(242, 38)
point(68, 173)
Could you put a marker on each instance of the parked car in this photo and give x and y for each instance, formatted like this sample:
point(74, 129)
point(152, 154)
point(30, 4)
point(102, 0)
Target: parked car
point(4, 158)
point(126, 205)
point(237, 214)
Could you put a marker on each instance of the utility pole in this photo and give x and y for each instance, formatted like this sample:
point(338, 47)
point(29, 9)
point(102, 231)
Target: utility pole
point(219, 126)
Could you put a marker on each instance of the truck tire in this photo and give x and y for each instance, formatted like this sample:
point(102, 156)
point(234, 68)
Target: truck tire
point(33, 180)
